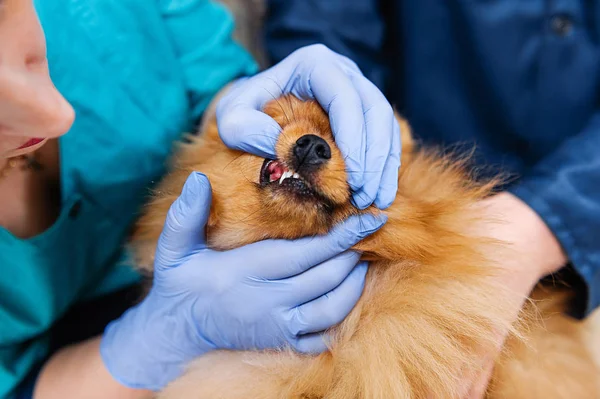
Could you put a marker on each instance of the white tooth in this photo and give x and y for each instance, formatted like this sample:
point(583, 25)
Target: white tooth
point(285, 175)
point(296, 176)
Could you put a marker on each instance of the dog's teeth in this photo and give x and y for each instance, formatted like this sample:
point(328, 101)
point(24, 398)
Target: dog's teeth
point(296, 176)
point(285, 175)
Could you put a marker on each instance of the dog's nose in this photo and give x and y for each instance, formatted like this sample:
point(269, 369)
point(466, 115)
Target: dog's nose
point(311, 150)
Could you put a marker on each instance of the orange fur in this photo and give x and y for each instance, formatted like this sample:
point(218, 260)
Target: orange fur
point(430, 308)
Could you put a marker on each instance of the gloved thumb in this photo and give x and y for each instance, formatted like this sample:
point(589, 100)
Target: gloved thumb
point(184, 229)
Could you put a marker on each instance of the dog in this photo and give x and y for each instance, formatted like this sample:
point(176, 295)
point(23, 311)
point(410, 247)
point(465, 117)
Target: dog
point(431, 306)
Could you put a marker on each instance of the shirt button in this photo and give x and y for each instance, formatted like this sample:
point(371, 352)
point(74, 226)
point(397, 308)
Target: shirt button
point(561, 24)
point(75, 210)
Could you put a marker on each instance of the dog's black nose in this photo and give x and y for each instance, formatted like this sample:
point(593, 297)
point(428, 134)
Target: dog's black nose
point(311, 151)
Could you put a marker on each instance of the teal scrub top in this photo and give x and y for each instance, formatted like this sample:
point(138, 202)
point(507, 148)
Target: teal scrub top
point(139, 74)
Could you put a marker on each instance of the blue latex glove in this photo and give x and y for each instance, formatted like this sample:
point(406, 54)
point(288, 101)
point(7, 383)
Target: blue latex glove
point(362, 120)
point(268, 294)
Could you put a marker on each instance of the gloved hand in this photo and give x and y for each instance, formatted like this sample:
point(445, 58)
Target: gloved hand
point(264, 295)
point(362, 120)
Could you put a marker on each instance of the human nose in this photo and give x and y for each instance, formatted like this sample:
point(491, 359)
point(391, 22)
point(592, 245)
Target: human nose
point(38, 108)
point(30, 104)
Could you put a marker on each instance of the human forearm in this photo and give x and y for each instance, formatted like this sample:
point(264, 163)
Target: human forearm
point(534, 249)
point(78, 372)
point(563, 189)
point(532, 252)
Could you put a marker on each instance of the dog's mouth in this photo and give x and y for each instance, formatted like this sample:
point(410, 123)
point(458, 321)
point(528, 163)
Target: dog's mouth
point(278, 175)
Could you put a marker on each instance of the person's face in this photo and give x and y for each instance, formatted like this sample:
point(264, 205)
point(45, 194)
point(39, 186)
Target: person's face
point(31, 109)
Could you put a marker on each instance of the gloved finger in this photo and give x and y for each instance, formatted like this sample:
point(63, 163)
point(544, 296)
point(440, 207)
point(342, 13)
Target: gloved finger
point(332, 308)
point(350, 65)
point(183, 231)
point(334, 90)
point(256, 91)
point(280, 259)
point(310, 344)
point(242, 124)
point(388, 188)
point(245, 129)
point(379, 122)
point(321, 279)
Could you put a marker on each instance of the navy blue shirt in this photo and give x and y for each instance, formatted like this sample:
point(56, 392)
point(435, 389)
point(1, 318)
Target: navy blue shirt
point(519, 79)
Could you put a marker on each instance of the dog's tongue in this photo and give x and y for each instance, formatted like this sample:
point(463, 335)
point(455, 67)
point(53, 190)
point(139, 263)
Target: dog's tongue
point(276, 169)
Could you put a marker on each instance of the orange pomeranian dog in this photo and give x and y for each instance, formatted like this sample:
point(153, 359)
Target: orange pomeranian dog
point(431, 309)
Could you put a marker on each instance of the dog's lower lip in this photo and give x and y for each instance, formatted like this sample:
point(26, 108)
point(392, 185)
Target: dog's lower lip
point(293, 183)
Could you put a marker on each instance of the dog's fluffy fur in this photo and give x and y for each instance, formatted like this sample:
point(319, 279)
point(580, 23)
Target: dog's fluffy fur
point(430, 309)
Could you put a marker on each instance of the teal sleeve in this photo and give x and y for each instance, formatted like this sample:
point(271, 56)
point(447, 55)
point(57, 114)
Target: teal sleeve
point(16, 362)
point(201, 32)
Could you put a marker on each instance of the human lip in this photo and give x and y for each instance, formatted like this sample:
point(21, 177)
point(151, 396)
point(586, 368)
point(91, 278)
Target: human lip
point(30, 143)
point(27, 148)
